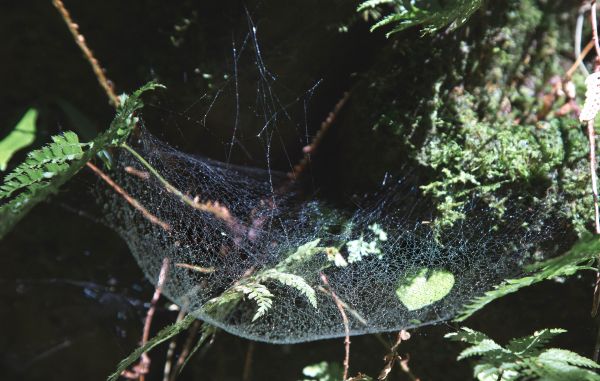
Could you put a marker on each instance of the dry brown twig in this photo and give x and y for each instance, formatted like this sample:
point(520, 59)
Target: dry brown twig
point(132, 201)
point(87, 52)
point(393, 357)
point(316, 141)
point(186, 349)
point(346, 323)
point(247, 374)
point(140, 370)
point(171, 350)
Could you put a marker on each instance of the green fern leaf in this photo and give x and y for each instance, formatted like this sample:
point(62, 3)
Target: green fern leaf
point(467, 335)
point(46, 169)
point(555, 355)
point(431, 16)
point(260, 295)
point(294, 281)
point(534, 342)
point(43, 164)
point(370, 4)
point(586, 249)
point(521, 358)
point(482, 348)
point(162, 336)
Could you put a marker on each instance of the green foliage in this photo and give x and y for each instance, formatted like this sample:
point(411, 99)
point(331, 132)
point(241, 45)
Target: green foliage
point(432, 15)
point(303, 254)
point(22, 135)
point(584, 251)
point(524, 358)
point(471, 122)
point(323, 371)
point(424, 288)
point(293, 281)
point(162, 336)
point(253, 287)
point(359, 248)
point(46, 169)
point(477, 156)
point(43, 164)
point(260, 294)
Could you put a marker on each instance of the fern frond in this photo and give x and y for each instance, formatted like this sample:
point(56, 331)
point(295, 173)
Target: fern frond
point(487, 347)
point(302, 255)
point(586, 249)
point(467, 335)
point(432, 17)
point(535, 342)
point(45, 170)
point(370, 4)
point(562, 365)
point(43, 164)
point(294, 281)
point(521, 358)
point(555, 355)
point(260, 295)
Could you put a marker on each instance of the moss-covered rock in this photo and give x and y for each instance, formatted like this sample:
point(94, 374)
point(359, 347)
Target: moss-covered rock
point(462, 108)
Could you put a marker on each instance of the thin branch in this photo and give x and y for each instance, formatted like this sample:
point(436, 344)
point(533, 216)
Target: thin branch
point(132, 201)
point(595, 28)
point(171, 350)
point(187, 349)
point(340, 307)
point(352, 311)
point(404, 366)
point(316, 141)
point(143, 175)
point(219, 211)
point(579, 60)
point(578, 32)
point(142, 368)
point(87, 52)
point(246, 375)
point(162, 277)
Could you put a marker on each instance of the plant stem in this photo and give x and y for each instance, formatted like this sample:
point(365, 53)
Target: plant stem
point(132, 201)
point(87, 52)
point(162, 277)
point(340, 307)
point(217, 210)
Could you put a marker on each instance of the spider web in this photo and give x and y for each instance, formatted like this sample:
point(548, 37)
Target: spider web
point(251, 252)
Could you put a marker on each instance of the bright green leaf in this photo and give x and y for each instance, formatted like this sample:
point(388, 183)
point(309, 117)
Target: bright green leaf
point(20, 137)
point(427, 287)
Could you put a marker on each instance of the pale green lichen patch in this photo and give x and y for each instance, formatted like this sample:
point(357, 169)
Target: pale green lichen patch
point(427, 287)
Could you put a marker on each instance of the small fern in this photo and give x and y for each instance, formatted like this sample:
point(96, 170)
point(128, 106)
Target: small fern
point(46, 169)
point(430, 14)
point(524, 358)
point(43, 164)
point(260, 294)
point(585, 250)
point(293, 281)
point(254, 288)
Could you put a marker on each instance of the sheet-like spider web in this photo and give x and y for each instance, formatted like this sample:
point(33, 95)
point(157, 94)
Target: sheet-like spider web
point(260, 256)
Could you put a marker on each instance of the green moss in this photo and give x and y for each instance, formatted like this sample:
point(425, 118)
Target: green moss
point(467, 115)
